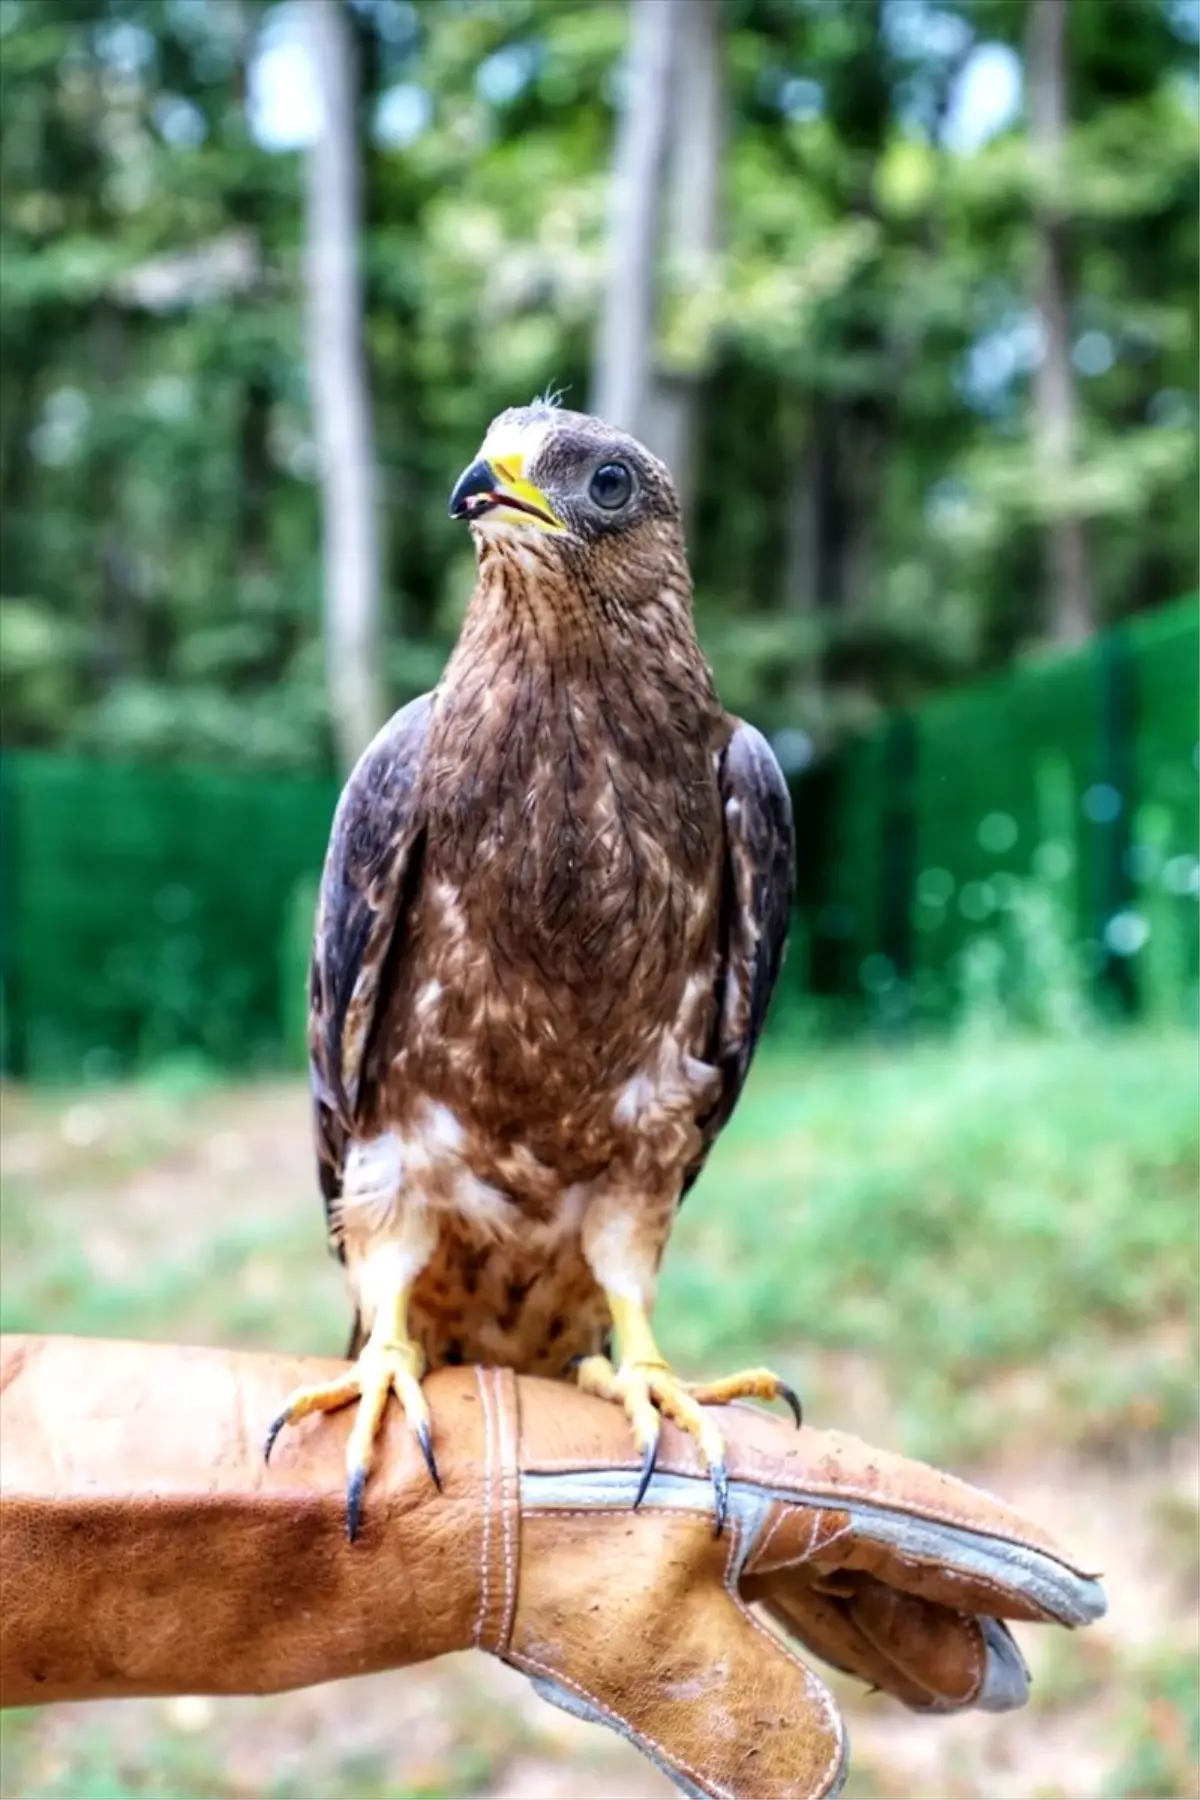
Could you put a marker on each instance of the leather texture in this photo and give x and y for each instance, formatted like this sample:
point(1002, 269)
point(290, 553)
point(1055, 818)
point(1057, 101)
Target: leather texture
point(148, 1550)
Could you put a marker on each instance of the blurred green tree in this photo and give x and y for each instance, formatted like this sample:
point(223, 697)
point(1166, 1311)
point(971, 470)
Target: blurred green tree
point(848, 337)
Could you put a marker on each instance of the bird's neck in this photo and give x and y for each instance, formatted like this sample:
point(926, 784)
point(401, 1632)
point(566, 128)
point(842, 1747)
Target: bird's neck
point(536, 646)
point(529, 610)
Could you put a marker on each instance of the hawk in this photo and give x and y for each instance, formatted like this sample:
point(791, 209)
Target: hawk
point(552, 913)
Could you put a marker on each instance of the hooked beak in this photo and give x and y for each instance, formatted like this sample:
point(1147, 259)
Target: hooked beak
point(498, 489)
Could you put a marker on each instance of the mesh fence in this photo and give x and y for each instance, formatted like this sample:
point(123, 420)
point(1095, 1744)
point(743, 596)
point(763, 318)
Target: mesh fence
point(1036, 830)
point(152, 911)
point(1018, 839)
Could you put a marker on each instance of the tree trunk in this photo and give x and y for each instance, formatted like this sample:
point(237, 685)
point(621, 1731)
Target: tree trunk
point(863, 436)
point(1068, 605)
point(341, 401)
point(253, 498)
point(623, 373)
point(115, 649)
point(800, 586)
point(859, 417)
point(693, 226)
point(254, 481)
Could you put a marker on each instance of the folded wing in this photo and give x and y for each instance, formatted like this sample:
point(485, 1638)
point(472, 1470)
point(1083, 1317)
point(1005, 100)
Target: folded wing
point(372, 870)
point(760, 861)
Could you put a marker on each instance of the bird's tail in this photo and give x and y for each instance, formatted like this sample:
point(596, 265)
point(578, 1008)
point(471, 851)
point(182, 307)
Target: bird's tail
point(358, 1337)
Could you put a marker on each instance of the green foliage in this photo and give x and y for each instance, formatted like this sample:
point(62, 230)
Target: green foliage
point(176, 1755)
point(1161, 1730)
point(863, 342)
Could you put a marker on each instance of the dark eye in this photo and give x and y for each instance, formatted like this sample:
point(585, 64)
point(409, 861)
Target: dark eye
point(611, 486)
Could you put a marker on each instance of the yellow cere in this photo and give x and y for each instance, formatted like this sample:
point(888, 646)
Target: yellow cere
point(508, 462)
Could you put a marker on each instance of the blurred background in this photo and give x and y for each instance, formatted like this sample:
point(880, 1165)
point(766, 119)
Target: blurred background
point(905, 291)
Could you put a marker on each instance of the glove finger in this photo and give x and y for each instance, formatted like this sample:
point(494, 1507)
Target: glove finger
point(824, 1627)
point(960, 1660)
point(930, 1657)
point(943, 1560)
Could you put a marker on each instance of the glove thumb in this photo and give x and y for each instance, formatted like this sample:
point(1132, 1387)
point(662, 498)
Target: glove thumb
point(633, 1620)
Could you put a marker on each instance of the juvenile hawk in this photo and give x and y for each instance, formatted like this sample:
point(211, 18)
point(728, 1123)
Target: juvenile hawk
point(553, 910)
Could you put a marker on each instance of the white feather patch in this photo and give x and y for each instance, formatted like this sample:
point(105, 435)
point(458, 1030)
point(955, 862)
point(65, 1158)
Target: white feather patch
point(421, 1168)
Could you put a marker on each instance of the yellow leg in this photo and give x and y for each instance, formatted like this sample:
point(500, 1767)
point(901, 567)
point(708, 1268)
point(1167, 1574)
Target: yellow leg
point(645, 1386)
point(389, 1363)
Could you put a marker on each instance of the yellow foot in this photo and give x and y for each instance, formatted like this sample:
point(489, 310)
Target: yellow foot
point(383, 1368)
point(648, 1389)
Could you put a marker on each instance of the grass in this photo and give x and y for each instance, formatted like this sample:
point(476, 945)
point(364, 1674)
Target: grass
point(1022, 1209)
point(981, 1253)
point(1161, 1739)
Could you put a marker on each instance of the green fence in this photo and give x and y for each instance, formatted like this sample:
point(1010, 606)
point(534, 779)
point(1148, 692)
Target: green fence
point(1034, 837)
point(1015, 840)
point(147, 912)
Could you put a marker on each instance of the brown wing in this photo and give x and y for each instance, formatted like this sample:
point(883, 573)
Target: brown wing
point(372, 868)
point(760, 867)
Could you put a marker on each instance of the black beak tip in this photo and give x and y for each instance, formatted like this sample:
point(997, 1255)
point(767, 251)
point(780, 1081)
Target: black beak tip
point(476, 481)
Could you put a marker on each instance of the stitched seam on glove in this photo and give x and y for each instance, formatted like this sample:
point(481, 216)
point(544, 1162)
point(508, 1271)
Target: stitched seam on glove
point(780, 1516)
point(485, 1535)
point(814, 1686)
point(619, 1722)
point(665, 1510)
point(510, 1497)
point(997, 1589)
point(831, 1495)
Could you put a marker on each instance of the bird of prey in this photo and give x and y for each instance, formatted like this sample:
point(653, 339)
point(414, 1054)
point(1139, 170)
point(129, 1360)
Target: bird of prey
point(553, 910)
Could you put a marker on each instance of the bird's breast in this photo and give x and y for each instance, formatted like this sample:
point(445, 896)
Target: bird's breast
point(560, 954)
point(576, 849)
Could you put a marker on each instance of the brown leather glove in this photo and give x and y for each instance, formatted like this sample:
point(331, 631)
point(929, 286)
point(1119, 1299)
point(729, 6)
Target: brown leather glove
point(147, 1550)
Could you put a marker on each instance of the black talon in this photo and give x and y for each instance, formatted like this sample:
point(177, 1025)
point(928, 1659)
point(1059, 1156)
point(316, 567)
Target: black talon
point(273, 1431)
point(793, 1399)
point(354, 1500)
point(720, 1480)
point(426, 1442)
point(648, 1462)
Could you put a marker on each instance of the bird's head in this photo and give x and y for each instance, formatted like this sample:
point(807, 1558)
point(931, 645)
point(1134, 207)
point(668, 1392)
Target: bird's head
point(557, 488)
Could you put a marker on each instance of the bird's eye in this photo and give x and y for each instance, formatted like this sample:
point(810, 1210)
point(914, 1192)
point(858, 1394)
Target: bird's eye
point(611, 486)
